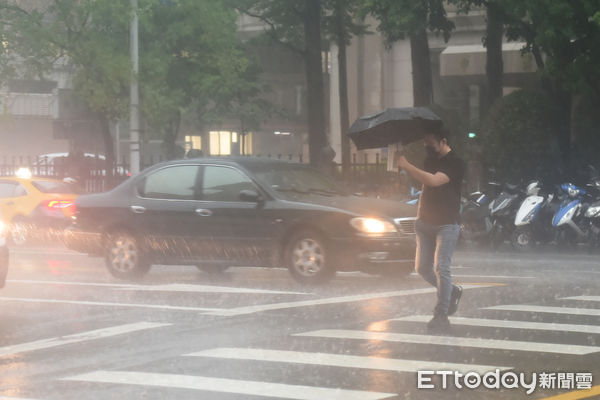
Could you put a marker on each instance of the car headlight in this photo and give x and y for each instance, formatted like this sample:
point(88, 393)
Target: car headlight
point(372, 225)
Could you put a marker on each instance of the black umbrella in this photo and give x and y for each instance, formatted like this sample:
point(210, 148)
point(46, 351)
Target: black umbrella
point(394, 125)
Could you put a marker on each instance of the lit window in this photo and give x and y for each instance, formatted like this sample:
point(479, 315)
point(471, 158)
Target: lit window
point(225, 143)
point(220, 142)
point(193, 142)
point(246, 145)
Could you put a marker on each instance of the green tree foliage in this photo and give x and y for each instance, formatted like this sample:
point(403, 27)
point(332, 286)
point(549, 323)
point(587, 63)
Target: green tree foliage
point(296, 25)
point(520, 136)
point(190, 56)
point(83, 37)
point(399, 19)
point(192, 61)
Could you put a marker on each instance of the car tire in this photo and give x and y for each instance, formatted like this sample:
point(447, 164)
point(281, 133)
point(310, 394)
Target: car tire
point(18, 234)
point(306, 258)
point(124, 258)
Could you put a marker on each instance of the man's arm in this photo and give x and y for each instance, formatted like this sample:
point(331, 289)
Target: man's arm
point(426, 178)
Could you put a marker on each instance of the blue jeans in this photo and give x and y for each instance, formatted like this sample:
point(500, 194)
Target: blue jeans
point(435, 246)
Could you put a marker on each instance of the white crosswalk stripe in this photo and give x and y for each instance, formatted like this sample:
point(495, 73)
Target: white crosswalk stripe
point(250, 388)
point(78, 337)
point(480, 351)
point(341, 360)
point(455, 341)
point(547, 309)
point(502, 323)
point(582, 298)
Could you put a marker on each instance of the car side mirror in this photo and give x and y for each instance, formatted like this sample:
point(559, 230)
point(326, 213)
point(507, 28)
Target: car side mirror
point(250, 196)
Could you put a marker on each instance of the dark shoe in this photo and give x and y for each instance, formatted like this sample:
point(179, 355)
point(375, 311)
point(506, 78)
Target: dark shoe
point(454, 299)
point(439, 324)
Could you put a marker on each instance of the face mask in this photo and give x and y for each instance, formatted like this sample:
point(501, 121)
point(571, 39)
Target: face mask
point(431, 151)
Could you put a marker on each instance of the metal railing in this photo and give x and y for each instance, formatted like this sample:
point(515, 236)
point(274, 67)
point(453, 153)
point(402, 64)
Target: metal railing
point(367, 173)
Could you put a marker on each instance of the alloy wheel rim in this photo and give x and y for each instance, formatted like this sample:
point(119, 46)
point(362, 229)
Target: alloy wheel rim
point(308, 257)
point(124, 255)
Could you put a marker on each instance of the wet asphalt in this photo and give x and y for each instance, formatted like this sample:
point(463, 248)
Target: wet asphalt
point(70, 331)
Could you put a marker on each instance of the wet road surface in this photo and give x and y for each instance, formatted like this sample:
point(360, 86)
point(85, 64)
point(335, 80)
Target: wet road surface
point(70, 331)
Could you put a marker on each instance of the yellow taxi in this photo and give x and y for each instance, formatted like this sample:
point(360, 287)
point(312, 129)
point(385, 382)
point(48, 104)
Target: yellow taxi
point(29, 204)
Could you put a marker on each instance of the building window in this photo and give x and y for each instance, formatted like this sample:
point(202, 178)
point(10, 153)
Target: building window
point(193, 142)
point(220, 142)
point(246, 143)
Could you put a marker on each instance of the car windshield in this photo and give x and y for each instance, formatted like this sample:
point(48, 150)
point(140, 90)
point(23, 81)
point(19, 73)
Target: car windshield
point(54, 187)
point(293, 180)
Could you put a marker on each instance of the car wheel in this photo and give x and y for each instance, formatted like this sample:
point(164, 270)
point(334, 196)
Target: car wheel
point(19, 232)
point(124, 258)
point(306, 258)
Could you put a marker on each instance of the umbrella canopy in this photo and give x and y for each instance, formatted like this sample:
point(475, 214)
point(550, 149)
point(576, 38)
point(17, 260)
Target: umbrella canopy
point(404, 125)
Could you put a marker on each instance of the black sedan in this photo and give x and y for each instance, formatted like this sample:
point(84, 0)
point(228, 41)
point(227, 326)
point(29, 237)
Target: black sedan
point(216, 212)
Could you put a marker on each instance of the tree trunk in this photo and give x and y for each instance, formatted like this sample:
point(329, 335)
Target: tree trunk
point(493, 43)
point(421, 67)
point(170, 136)
point(109, 148)
point(343, 87)
point(314, 81)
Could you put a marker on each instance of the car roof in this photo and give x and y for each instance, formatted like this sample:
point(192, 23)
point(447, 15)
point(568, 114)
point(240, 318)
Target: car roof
point(247, 162)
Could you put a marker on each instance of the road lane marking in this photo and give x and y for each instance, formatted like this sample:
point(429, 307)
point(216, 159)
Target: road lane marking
point(582, 298)
point(109, 304)
point(576, 395)
point(15, 398)
point(180, 287)
point(562, 271)
point(331, 300)
point(79, 337)
point(175, 287)
point(37, 282)
point(547, 309)
point(341, 360)
point(501, 323)
point(493, 276)
point(248, 388)
point(454, 341)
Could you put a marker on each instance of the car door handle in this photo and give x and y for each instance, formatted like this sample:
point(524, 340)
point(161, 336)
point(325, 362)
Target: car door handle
point(203, 212)
point(138, 209)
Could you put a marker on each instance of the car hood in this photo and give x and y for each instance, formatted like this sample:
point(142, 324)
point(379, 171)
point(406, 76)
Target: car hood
point(364, 205)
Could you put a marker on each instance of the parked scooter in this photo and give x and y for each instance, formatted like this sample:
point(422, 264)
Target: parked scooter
point(502, 214)
point(490, 221)
point(533, 222)
point(571, 218)
point(475, 221)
